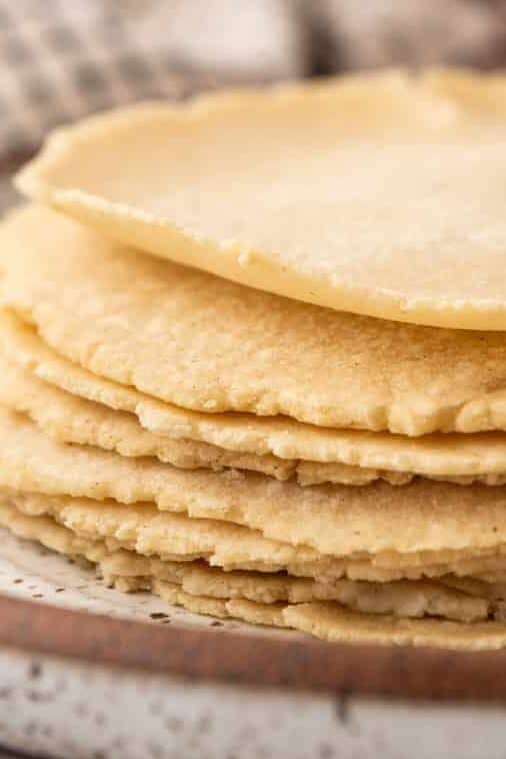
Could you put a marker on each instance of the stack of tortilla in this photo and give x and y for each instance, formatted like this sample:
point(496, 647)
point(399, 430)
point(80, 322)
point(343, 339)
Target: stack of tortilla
point(253, 356)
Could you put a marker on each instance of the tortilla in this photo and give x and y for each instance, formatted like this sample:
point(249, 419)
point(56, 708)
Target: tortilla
point(336, 520)
point(336, 201)
point(129, 571)
point(459, 457)
point(177, 537)
point(337, 624)
point(71, 419)
point(329, 621)
point(171, 537)
point(202, 343)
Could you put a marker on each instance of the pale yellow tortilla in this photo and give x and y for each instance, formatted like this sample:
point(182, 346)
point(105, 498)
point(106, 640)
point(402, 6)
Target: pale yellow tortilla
point(333, 623)
point(328, 621)
point(173, 537)
point(379, 194)
point(336, 520)
point(128, 571)
point(349, 456)
point(176, 537)
point(200, 342)
point(72, 419)
point(479, 588)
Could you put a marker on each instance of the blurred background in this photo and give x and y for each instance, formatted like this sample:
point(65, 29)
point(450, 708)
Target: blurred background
point(62, 59)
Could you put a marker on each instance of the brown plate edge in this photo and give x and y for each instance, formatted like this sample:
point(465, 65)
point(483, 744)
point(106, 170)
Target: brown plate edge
point(204, 653)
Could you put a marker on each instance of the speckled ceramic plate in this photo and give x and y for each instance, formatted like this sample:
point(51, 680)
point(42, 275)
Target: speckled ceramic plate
point(53, 606)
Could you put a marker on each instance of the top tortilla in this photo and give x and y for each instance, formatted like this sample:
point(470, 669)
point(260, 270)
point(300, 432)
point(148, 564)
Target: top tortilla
point(203, 343)
point(378, 194)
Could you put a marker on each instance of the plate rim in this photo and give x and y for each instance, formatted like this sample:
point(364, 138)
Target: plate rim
point(207, 653)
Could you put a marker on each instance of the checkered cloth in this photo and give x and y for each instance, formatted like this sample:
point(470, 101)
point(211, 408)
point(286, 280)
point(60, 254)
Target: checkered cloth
point(62, 59)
